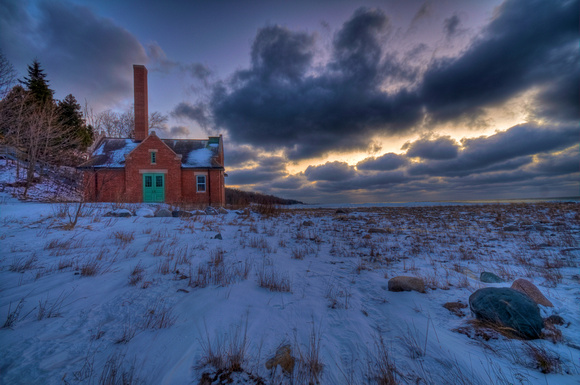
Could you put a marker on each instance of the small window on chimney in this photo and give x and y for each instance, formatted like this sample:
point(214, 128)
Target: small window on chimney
point(153, 157)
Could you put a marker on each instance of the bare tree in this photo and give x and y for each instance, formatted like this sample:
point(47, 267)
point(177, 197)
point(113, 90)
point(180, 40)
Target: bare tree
point(35, 128)
point(7, 76)
point(122, 125)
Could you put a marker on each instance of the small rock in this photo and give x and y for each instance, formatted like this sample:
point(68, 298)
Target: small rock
point(531, 290)
point(182, 291)
point(455, 308)
point(146, 213)
point(539, 227)
point(243, 212)
point(403, 283)
point(507, 308)
point(378, 231)
point(163, 213)
point(510, 228)
point(307, 223)
point(488, 277)
point(119, 213)
point(222, 210)
point(181, 214)
point(283, 358)
point(218, 236)
point(341, 211)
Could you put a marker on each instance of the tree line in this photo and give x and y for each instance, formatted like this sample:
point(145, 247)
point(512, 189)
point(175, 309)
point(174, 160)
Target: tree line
point(237, 197)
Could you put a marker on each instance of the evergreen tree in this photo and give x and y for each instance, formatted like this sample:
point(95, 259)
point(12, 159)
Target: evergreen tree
point(37, 84)
point(71, 119)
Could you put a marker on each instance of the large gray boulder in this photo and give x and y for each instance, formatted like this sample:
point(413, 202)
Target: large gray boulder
point(163, 213)
point(509, 308)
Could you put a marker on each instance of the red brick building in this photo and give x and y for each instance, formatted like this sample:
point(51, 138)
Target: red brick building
point(149, 169)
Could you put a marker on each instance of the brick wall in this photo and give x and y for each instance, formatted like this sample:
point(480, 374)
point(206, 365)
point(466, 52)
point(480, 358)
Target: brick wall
point(139, 161)
point(106, 185)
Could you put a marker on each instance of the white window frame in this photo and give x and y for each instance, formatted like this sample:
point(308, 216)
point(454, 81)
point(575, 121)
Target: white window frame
point(197, 183)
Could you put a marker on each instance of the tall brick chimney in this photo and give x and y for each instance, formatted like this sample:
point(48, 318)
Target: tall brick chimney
point(141, 107)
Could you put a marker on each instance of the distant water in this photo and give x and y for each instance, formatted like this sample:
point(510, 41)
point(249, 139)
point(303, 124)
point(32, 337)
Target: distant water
point(436, 203)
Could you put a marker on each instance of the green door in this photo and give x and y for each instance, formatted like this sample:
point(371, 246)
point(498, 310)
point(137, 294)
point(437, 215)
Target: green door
point(153, 187)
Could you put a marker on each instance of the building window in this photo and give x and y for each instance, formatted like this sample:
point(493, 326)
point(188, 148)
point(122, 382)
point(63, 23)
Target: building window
point(153, 157)
point(200, 179)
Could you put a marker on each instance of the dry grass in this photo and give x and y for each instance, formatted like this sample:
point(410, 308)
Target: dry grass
point(137, 274)
point(118, 372)
point(13, 314)
point(543, 359)
point(123, 237)
point(228, 352)
point(51, 309)
point(20, 265)
point(310, 366)
point(273, 280)
point(158, 316)
point(381, 369)
point(91, 268)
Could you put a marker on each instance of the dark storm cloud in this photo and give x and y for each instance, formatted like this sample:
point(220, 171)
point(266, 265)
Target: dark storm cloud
point(330, 171)
point(195, 113)
point(282, 102)
point(439, 148)
point(560, 99)
point(279, 104)
point(386, 162)
point(364, 181)
point(237, 156)
point(99, 53)
point(82, 53)
point(268, 168)
point(500, 151)
point(279, 53)
point(564, 162)
point(513, 53)
point(451, 26)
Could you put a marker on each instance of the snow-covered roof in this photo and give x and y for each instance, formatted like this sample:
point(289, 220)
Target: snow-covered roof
point(195, 153)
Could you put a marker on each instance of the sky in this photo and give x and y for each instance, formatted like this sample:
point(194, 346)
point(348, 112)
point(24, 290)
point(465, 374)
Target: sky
point(335, 101)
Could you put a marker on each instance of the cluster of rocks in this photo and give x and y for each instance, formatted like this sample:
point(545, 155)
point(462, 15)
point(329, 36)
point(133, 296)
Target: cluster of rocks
point(164, 213)
point(513, 310)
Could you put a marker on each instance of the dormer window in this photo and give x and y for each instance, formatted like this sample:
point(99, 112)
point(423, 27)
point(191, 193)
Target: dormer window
point(154, 157)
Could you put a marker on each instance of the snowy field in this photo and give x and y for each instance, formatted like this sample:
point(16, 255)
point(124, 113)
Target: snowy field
point(161, 300)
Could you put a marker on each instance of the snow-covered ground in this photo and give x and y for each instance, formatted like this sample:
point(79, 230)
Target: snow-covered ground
point(162, 299)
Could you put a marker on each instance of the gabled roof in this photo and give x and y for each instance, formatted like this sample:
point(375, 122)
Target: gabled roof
point(195, 153)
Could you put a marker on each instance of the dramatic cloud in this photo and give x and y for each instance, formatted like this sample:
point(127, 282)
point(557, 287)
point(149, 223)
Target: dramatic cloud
point(279, 104)
point(283, 102)
point(514, 53)
point(386, 162)
point(330, 171)
point(99, 54)
point(237, 156)
point(501, 150)
point(191, 112)
point(451, 26)
point(269, 168)
point(439, 148)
